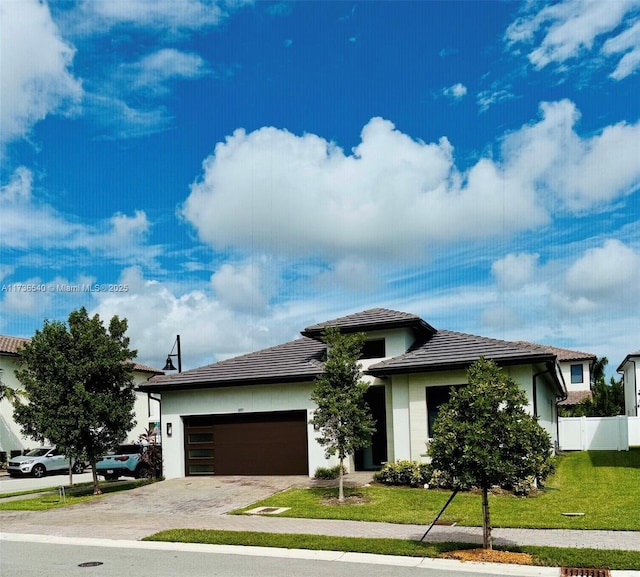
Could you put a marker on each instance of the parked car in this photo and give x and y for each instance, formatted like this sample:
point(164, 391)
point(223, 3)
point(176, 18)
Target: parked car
point(125, 461)
point(38, 462)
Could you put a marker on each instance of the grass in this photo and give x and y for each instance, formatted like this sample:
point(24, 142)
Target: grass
point(52, 499)
point(602, 485)
point(544, 556)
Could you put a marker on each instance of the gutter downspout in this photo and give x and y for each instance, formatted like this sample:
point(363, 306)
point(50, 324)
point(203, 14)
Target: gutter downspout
point(560, 397)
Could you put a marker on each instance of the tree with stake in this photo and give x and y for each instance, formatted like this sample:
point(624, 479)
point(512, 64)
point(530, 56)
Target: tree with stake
point(485, 437)
point(79, 386)
point(342, 415)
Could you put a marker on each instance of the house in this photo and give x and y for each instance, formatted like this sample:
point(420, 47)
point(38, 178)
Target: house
point(630, 369)
point(147, 409)
point(249, 415)
point(576, 368)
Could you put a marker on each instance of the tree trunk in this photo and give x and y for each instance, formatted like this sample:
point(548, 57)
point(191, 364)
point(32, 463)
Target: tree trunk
point(486, 520)
point(341, 481)
point(96, 485)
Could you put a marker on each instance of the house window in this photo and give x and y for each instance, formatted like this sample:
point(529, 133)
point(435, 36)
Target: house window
point(576, 374)
point(374, 349)
point(436, 397)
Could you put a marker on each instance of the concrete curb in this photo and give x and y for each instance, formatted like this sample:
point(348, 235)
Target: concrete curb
point(337, 556)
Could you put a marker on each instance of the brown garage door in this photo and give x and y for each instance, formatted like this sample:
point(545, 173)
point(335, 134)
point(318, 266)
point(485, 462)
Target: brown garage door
point(247, 444)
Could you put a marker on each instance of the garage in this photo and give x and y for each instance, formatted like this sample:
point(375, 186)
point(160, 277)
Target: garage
point(247, 444)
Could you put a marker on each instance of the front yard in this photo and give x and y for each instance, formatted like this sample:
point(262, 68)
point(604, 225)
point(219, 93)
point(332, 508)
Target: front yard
point(601, 484)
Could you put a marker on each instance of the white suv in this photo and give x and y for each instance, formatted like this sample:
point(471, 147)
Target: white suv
point(41, 461)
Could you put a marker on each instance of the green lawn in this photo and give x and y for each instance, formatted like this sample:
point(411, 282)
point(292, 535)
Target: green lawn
point(51, 498)
point(601, 484)
point(545, 556)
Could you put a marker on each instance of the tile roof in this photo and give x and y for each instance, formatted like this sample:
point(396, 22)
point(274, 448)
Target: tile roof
point(449, 349)
point(302, 359)
point(563, 354)
point(295, 361)
point(9, 346)
point(371, 319)
point(574, 398)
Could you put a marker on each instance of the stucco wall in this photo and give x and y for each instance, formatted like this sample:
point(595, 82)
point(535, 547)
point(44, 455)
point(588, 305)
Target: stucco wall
point(10, 437)
point(406, 403)
point(585, 385)
point(407, 435)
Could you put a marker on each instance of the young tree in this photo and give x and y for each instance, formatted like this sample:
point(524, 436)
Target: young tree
point(484, 436)
point(79, 386)
point(342, 416)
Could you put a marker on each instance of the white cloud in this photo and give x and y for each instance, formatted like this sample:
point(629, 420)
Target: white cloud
point(580, 172)
point(241, 287)
point(455, 92)
point(35, 80)
point(209, 330)
point(605, 275)
point(155, 15)
point(24, 222)
point(487, 98)
point(27, 223)
point(155, 70)
point(573, 28)
point(628, 44)
point(393, 195)
point(515, 270)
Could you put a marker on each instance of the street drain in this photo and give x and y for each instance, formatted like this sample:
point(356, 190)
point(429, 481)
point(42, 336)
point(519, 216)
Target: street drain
point(91, 564)
point(583, 572)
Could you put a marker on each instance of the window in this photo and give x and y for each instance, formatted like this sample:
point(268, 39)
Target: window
point(374, 349)
point(436, 397)
point(576, 374)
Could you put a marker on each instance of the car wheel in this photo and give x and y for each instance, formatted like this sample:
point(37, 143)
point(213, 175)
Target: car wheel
point(78, 468)
point(38, 471)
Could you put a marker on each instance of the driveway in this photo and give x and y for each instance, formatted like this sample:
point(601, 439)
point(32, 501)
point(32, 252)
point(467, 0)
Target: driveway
point(194, 502)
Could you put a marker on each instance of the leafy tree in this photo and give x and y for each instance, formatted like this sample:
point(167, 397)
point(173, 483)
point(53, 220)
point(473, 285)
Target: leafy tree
point(79, 385)
point(12, 395)
point(342, 415)
point(484, 436)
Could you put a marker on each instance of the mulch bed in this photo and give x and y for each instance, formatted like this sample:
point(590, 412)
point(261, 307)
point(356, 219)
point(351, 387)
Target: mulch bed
point(489, 556)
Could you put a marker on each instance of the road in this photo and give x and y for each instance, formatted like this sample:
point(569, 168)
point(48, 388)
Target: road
point(37, 559)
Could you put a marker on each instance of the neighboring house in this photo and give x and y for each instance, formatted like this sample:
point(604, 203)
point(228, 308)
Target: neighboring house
point(630, 369)
point(576, 368)
point(249, 415)
point(147, 410)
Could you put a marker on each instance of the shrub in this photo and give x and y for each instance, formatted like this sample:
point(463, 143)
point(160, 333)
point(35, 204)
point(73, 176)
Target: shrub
point(328, 472)
point(407, 473)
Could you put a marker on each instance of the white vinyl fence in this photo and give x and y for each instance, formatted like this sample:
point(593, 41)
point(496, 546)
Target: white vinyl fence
point(598, 433)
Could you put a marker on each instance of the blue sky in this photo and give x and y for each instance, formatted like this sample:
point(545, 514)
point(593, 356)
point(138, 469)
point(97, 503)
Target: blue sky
point(235, 171)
